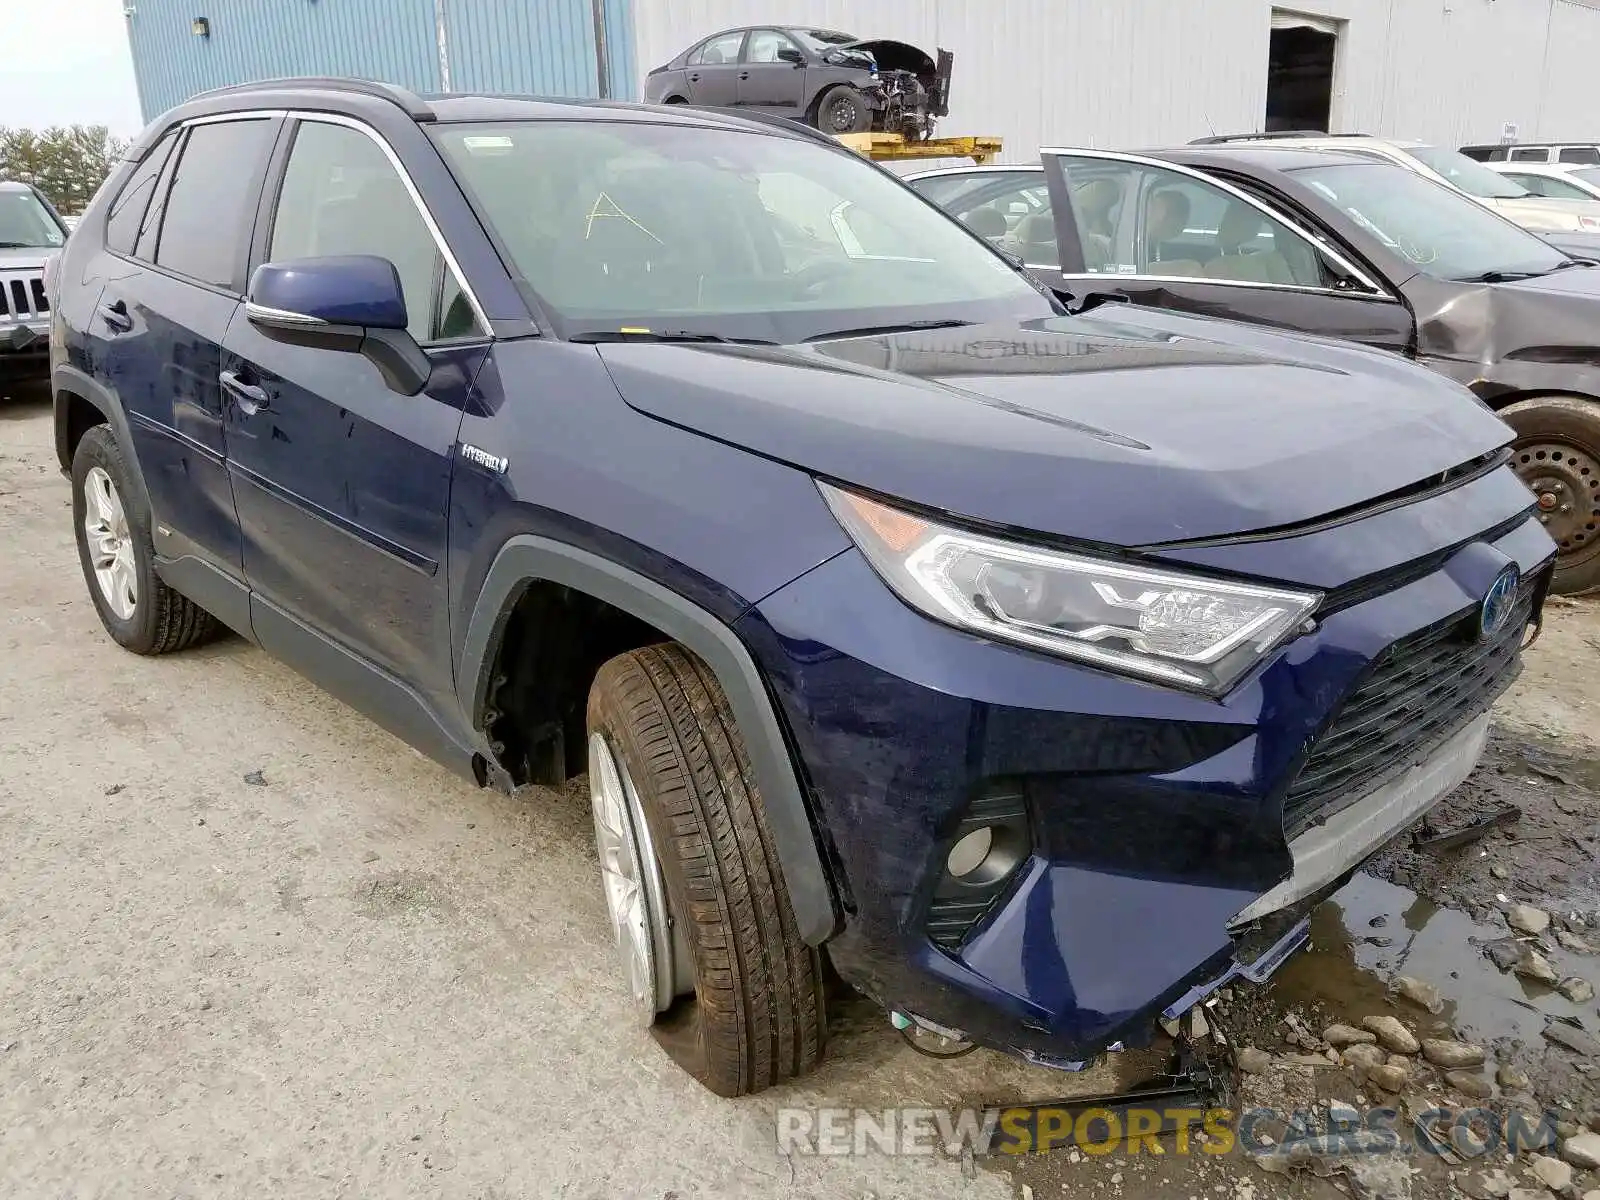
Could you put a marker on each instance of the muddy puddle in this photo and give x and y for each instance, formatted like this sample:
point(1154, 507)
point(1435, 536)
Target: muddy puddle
point(1372, 932)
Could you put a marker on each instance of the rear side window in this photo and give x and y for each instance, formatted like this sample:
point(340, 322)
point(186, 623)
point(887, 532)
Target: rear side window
point(1579, 154)
point(1531, 154)
point(133, 201)
point(212, 199)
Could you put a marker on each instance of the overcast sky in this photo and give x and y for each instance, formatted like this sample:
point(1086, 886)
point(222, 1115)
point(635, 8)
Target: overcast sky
point(65, 62)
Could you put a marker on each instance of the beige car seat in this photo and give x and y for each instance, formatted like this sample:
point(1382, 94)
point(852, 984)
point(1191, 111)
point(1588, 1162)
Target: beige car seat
point(1242, 255)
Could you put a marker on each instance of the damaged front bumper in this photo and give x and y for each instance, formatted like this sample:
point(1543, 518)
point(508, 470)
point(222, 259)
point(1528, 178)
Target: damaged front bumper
point(1168, 843)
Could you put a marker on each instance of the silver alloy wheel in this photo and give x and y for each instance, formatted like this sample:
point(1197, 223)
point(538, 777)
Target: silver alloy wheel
point(655, 958)
point(110, 543)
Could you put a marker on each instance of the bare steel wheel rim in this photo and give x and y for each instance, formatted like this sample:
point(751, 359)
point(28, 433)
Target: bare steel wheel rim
point(655, 959)
point(1565, 479)
point(105, 522)
point(843, 113)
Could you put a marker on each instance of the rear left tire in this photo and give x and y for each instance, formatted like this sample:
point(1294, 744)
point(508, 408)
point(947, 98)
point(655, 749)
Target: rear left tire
point(138, 610)
point(714, 960)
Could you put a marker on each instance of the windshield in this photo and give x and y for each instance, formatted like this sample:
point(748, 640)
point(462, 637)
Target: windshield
point(819, 41)
point(1442, 232)
point(25, 223)
point(1471, 177)
point(1590, 175)
point(620, 226)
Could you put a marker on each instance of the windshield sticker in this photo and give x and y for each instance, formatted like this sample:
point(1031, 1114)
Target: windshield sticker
point(600, 210)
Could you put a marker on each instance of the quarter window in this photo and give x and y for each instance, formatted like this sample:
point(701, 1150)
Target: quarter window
point(211, 200)
point(133, 201)
point(1135, 219)
point(342, 195)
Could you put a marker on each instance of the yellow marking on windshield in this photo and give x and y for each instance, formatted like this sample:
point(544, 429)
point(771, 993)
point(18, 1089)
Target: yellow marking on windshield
point(632, 329)
point(597, 211)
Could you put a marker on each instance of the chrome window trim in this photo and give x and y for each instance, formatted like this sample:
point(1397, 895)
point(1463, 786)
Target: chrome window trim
point(394, 161)
point(1381, 296)
point(1238, 194)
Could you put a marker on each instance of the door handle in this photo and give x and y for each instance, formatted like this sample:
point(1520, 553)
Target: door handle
point(250, 398)
point(744, 74)
point(115, 314)
point(694, 77)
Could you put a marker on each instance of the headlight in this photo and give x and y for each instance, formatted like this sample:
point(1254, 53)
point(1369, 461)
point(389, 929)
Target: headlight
point(1183, 630)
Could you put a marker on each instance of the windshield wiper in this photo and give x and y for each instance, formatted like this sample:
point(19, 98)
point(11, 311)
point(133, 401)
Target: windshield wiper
point(20, 246)
point(1513, 276)
point(665, 335)
point(897, 327)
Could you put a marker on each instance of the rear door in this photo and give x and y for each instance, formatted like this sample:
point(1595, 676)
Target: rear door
point(1171, 237)
point(343, 485)
point(713, 70)
point(179, 237)
point(769, 83)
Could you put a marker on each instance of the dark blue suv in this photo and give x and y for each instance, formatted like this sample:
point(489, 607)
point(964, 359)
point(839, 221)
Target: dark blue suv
point(1037, 670)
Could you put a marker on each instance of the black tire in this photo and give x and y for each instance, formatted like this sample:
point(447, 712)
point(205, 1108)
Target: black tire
point(1557, 454)
point(757, 1014)
point(162, 620)
point(842, 109)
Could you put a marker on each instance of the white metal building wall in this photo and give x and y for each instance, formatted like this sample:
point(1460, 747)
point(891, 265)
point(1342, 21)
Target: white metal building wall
point(1129, 73)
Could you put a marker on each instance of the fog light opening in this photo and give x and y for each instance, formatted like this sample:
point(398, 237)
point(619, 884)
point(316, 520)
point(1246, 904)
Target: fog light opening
point(983, 855)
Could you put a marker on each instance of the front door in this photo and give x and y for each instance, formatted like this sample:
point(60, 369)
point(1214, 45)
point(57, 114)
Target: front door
point(343, 485)
point(714, 70)
point(1171, 237)
point(768, 82)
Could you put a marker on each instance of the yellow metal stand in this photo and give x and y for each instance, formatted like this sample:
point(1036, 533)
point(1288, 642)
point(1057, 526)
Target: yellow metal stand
point(893, 147)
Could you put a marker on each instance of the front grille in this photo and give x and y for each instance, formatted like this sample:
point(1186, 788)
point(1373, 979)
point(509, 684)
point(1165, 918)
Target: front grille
point(1417, 694)
point(22, 298)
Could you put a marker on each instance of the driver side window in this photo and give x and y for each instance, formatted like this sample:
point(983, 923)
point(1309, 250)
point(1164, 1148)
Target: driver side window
point(1139, 220)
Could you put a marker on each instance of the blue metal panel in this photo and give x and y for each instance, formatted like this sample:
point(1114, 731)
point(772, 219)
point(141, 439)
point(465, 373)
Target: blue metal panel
point(389, 40)
point(544, 47)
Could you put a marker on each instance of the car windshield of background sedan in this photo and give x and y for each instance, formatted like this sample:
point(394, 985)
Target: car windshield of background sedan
point(619, 226)
point(1590, 175)
point(24, 223)
point(1471, 177)
point(1443, 233)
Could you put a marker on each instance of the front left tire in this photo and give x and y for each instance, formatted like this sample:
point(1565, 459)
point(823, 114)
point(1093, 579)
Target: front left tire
point(711, 951)
point(138, 610)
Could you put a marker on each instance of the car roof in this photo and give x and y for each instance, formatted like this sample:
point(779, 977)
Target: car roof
point(365, 97)
point(14, 185)
point(1272, 156)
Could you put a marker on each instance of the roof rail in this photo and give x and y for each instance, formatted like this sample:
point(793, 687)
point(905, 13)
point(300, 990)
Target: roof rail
point(1219, 138)
point(414, 105)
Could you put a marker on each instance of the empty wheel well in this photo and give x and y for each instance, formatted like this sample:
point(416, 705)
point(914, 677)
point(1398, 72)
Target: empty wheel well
point(554, 642)
point(75, 417)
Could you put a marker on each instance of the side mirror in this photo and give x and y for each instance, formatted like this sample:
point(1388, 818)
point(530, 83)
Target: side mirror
point(789, 54)
point(352, 303)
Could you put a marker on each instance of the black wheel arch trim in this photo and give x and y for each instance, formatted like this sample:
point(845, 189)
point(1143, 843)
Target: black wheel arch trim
point(526, 559)
point(66, 378)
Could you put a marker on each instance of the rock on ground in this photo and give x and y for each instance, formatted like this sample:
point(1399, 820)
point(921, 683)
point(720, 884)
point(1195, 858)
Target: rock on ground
point(1579, 991)
point(1423, 995)
point(1536, 967)
point(1442, 1052)
point(1582, 1150)
point(1340, 1036)
point(1392, 1034)
point(1513, 1078)
point(1253, 1061)
point(1363, 1056)
point(1572, 1039)
point(1525, 918)
point(1469, 1083)
point(1552, 1172)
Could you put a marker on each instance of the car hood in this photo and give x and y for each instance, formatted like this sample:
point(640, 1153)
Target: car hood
point(887, 55)
point(25, 258)
point(1544, 213)
point(1084, 428)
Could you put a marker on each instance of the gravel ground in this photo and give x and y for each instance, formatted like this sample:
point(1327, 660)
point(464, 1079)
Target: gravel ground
point(250, 945)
